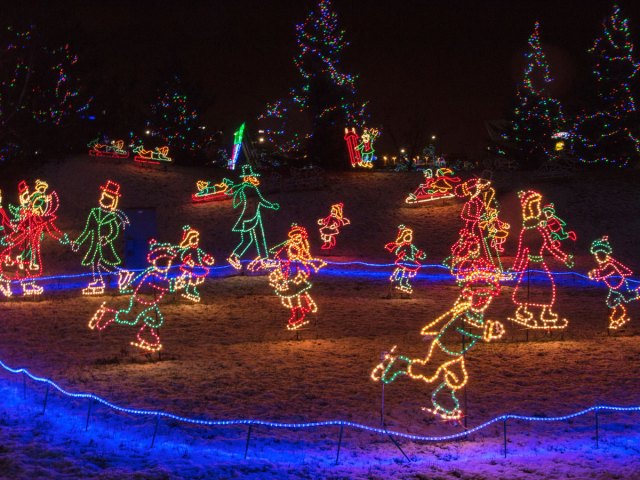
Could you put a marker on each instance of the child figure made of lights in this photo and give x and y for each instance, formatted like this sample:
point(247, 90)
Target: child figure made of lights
point(365, 147)
point(290, 270)
point(535, 242)
point(155, 157)
point(407, 261)
point(101, 231)
point(615, 276)
point(194, 264)
point(352, 139)
point(249, 223)
point(21, 254)
point(114, 149)
point(434, 188)
point(330, 225)
point(443, 366)
point(151, 286)
point(556, 225)
point(208, 192)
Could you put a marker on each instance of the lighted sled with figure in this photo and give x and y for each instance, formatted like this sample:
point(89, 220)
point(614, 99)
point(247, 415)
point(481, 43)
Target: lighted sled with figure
point(212, 193)
point(155, 157)
point(438, 187)
point(114, 149)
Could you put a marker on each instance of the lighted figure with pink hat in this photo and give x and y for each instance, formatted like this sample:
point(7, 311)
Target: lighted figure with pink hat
point(101, 231)
point(330, 225)
point(408, 258)
point(291, 267)
point(151, 286)
point(194, 263)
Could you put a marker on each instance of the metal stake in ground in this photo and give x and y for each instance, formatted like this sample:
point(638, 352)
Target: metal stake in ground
point(504, 433)
point(46, 397)
point(339, 443)
point(155, 431)
point(86, 426)
point(246, 446)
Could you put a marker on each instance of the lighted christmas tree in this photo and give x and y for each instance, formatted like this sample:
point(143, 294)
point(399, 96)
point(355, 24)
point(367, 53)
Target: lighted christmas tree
point(537, 116)
point(175, 118)
point(38, 90)
point(325, 93)
point(611, 131)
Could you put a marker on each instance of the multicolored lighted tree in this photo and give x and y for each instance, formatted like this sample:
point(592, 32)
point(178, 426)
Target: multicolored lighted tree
point(610, 131)
point(537, 116)
point(175, 119)
point(38, 89)
point(325, 93)
point(615, 275)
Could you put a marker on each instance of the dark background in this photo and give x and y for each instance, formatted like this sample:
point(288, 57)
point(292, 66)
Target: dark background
point(427, 67)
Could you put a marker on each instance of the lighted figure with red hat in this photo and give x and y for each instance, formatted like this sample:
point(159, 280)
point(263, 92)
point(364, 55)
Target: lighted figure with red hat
point(475, 263)
point(34, 217)
point(211, 193)
point(101, 231)
point(534, 243)
point(291, 267)
point(439, 187)
point(156, 156)
point(113, 149)
point(194, 263)
point(556, 225)
point(408, 258)
point(615, 275)
point(330, 225)
point(151, 287)
point(248, 198)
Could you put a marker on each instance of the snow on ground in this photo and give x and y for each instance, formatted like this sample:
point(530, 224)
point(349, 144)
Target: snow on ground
point(230, 357)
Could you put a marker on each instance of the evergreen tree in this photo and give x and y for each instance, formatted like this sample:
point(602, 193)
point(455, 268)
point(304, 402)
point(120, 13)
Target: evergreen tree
point(610, 132)
point(175, 119)
point(537, 116)
point(326, 95)
point(39, 93)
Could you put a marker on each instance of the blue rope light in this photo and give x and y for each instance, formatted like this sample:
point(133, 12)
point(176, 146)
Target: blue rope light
point(328, 423)
point(227, 271)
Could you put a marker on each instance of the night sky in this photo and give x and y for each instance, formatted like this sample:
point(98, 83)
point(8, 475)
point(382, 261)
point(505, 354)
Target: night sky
point(427, 67)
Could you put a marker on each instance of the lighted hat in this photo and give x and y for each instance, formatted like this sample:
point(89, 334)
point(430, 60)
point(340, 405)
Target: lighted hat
point(187, 234)
point(111, 187)
point(297, 230)
point(23, 187)
point(247, 171)
point(158, 251)
point(601, 245)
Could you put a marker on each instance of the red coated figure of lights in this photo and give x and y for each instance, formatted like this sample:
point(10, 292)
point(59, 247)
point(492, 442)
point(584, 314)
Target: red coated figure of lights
point(330, 226)
point(22, 255)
